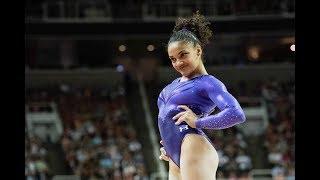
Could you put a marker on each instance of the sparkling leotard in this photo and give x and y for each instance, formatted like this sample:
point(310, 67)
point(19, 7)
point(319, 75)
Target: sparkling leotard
point(202, 94)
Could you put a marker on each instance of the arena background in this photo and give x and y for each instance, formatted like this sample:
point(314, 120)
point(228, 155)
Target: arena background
point(94, 69)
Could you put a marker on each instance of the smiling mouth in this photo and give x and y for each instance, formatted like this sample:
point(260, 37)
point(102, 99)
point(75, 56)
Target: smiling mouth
point(181, 67)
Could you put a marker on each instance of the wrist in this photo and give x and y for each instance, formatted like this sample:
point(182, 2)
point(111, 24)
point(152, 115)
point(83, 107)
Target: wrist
point(198, 123)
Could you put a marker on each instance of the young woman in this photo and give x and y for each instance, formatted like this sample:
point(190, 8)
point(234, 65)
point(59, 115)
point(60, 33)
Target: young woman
point(186, 104)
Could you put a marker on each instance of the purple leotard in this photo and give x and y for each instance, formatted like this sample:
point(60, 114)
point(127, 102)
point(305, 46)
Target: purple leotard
point(201, 94)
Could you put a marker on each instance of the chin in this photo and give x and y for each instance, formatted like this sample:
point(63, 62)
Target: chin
point(185, 74)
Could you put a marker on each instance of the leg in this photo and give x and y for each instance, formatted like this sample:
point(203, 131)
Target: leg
point(174, 171)
point(199, 159)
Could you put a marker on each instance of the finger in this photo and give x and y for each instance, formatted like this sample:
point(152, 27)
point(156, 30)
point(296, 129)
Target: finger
point(178, 115)
point(161, 142)
point(180, 120)
point(184, 107)
point(165, 158)
point(163, 151)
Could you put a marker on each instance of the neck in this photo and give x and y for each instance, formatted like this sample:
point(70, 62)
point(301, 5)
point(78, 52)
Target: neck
point(201, 69)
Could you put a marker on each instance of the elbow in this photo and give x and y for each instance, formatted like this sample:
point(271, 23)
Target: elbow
point(240, 116)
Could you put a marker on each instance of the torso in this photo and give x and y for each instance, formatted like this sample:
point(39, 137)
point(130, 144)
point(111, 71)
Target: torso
point(189, 93)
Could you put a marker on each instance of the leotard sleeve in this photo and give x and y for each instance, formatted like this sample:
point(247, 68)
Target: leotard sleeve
point(230, 111)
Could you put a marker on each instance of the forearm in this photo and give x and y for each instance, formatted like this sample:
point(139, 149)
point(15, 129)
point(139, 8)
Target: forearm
point(227, 118)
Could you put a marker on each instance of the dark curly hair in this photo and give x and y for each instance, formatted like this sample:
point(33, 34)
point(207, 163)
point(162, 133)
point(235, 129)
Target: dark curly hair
point(194, 29)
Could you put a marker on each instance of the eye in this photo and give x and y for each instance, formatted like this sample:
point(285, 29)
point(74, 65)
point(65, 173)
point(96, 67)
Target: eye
point(183, 55)
point(173, 60)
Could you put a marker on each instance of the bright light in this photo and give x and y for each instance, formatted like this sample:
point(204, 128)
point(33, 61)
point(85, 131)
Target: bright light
point(122, 48)
point(150, 47)
point(293, 47)
point(253, 53)
point(120, 68)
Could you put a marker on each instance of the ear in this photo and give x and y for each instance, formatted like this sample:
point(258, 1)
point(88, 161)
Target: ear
point(199, 50)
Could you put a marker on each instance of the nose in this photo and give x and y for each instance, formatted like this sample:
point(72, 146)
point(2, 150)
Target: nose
point(179, 63)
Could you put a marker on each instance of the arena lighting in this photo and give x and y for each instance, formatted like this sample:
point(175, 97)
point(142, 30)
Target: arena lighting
point(293, 47)
point(120, 68)
point(253, 53)
point(150, 47)
point(122, 48)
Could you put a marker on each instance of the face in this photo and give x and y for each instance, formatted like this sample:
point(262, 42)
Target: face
point(185, 57)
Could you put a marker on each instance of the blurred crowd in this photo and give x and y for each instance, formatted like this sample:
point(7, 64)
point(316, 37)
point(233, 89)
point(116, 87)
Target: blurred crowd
point(280, 134)
point(98, 141)
point(36, 162)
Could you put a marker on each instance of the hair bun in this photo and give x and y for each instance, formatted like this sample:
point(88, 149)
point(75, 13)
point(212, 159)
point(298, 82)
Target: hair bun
point(198, 25)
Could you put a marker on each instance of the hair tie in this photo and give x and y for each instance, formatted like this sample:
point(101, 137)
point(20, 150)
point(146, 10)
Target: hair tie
point(184, 28)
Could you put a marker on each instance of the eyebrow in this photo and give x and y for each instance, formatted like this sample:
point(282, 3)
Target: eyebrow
point(178, 53)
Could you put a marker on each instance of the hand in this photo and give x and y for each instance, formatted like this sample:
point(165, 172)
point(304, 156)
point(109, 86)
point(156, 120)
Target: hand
point(188, 116)
point(163, 155)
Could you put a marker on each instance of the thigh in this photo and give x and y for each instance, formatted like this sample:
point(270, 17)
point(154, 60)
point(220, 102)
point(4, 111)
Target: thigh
point(174, 171)
point(199, 159)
